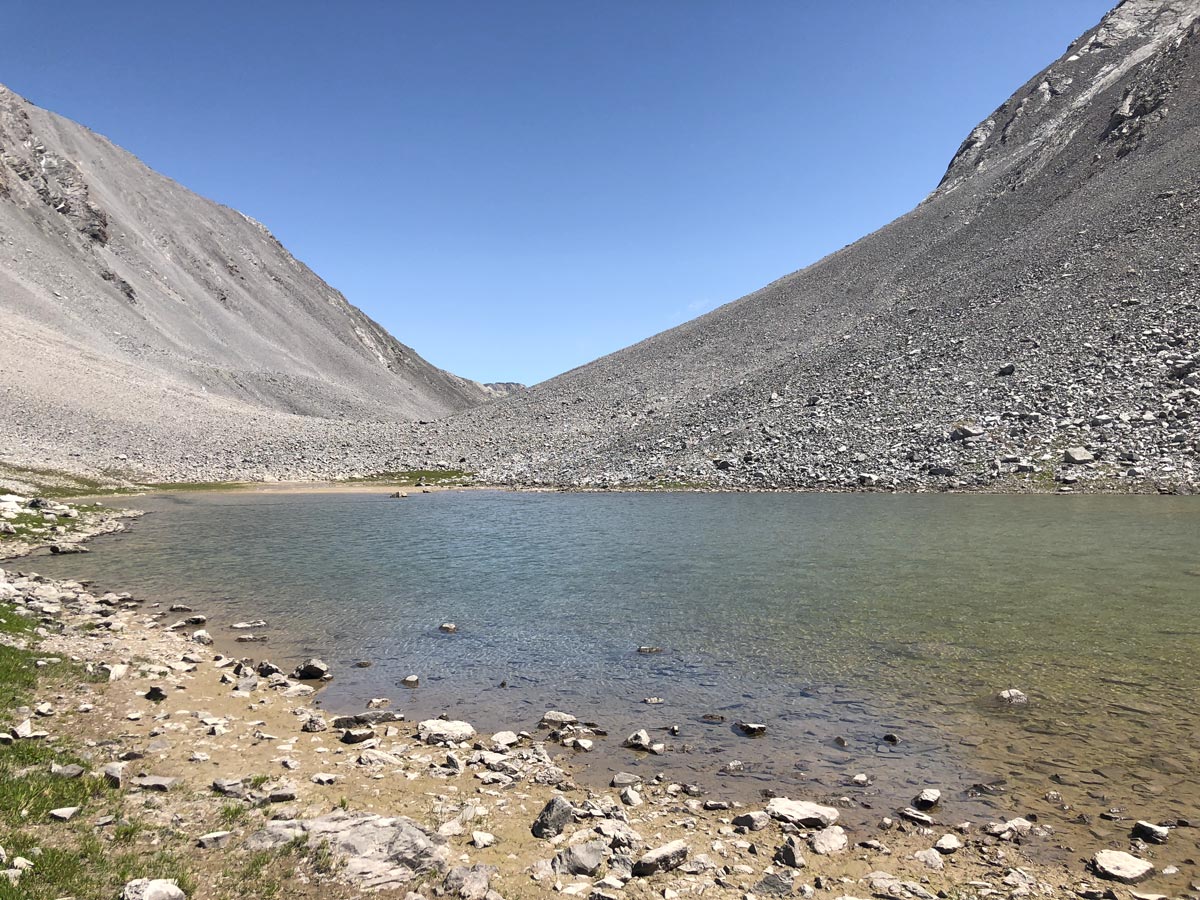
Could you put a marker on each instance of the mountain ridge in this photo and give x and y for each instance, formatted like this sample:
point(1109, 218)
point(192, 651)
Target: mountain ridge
point(858, 369)
point(138, 286)
point(1030, 325)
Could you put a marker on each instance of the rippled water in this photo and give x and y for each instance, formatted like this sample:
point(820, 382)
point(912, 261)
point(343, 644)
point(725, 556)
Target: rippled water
point(833, 619)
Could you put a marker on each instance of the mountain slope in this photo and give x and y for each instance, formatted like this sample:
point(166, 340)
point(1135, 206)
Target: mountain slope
point(128, 302)
point(1063, 242)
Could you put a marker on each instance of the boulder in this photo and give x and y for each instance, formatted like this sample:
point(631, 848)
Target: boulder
point(1117, 865)
point(375, 852)
point(752, 821)
point(114, 774)
point(1077, 456)
point(931, 859)
point(661, 859)
point(790, 855)
point(1151, 833)
point(152, 889)
point(312, 669)
point(927, 799)
point(802, 813)
point(469, 882)
point(554, 817)
point(829, 841)
point(581, 859)
point(948, 844)
point(965, 432)
point(441, 731)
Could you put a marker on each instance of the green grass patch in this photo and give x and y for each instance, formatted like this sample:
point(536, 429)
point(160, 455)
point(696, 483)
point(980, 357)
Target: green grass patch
point(28, 791)
point(256, 875)
point(55, 484)
point(70, 859)
point(90, 870)
point(30, 526)
point(410, 477)
point(233, 813)
point(18, 672)
point(182, 486)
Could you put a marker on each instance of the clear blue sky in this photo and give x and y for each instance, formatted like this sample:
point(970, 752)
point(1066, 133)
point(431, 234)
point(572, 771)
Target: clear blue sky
point(516, 188)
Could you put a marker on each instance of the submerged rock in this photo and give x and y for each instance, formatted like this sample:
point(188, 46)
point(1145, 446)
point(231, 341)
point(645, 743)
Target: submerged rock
point(1013, 697)
point(927, 799)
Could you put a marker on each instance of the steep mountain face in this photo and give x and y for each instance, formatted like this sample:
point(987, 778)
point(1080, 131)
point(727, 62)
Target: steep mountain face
point(131, 306)
point(1045, 297)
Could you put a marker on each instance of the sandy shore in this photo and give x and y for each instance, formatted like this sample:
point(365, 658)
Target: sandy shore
point(230, 766)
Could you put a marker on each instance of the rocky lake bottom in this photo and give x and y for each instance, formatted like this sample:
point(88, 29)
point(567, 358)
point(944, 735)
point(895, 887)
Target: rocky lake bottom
point(869, 634)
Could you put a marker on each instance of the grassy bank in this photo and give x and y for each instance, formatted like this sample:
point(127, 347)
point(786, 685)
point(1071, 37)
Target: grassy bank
point(69, 858)
point(110, 839)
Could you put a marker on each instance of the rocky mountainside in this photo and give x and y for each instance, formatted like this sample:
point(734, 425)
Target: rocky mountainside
point(137, 316)
point(1033, 323)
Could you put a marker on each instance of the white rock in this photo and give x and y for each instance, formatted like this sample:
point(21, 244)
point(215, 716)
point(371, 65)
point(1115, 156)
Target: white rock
point(802, 812)
point(829, 841)
point(438, 731)
point(948, 844)
point(152, 889)
point(931, 859)
point(1117, 865)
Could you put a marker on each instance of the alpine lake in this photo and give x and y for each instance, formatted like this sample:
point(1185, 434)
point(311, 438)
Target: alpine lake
point(871, 634)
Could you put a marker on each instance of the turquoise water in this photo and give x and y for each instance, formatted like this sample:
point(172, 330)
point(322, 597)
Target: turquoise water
point(833, 619)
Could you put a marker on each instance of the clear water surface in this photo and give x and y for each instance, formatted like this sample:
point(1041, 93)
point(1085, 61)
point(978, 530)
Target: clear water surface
point(832, 619)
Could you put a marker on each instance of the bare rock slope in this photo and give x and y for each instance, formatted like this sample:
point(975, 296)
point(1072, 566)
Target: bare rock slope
point(1033, 323)
point(141, 320)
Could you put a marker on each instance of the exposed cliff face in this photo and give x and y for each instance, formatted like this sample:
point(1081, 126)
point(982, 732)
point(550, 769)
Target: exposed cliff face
point(1045, 296)
point(1034, 125)
point(127, 300)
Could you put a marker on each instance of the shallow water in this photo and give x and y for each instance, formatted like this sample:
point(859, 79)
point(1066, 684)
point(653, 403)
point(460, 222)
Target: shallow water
point(825, 617)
